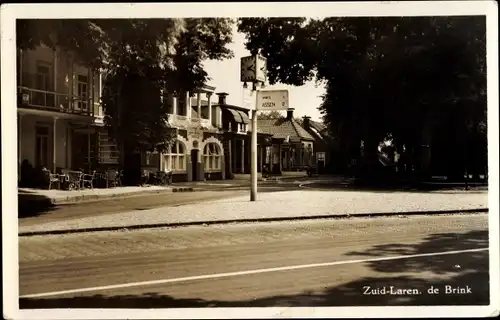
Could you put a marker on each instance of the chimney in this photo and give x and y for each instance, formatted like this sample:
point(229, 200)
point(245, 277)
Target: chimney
point(289, 113)
point(305, 122)
point(222, 97)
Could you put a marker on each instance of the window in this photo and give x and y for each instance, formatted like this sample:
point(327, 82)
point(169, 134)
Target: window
point(169, 103)
point(205, 110)
point(181, 106)
point(175, 158)
point(42, 82)
point(212, 157)
point(82, 92)
point(43, 75)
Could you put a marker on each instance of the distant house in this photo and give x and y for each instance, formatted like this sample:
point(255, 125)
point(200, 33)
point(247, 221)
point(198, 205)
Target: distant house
point(236, 125)
point(322, 142)
point(197, 153)
point(292, 146)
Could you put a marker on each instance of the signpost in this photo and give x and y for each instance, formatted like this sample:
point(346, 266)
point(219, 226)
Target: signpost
point(254, 70)
point(268, 100)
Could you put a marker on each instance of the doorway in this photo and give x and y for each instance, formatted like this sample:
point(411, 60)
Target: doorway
point(321, 166)
point(194, 164)
point(42, 146)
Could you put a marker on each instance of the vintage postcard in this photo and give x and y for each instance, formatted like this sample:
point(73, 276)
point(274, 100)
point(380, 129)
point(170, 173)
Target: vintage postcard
point(250, 160)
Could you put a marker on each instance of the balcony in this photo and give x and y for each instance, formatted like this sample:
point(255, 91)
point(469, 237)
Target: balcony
point(53, 101)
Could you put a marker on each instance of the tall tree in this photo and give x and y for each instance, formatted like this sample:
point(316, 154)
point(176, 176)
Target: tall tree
point(397, 76)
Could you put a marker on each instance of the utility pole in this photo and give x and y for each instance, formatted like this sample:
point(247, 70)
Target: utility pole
point(253, 70)
point(253, 172)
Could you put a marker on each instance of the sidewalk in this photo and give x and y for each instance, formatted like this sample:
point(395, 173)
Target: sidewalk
point(287, 205)
point(285, 175)
point(61, 197)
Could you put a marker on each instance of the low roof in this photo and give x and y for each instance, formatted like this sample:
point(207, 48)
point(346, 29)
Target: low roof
point(317, 125)
point(230, 106)
point(283, 128)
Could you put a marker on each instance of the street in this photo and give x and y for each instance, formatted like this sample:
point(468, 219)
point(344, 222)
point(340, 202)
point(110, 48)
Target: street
point(349, 262)
point(150, 201)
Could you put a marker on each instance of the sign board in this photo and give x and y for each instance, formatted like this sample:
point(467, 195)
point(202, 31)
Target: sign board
point(253, 68)
point(268, 100)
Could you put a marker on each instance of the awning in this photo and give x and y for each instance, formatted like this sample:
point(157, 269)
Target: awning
point(244, 117)
point(236, 116)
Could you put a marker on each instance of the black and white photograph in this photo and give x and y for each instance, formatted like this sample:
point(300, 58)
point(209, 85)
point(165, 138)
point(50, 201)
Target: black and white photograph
point(250, 160)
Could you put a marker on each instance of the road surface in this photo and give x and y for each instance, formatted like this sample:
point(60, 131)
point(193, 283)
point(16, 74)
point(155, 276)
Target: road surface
point(313, 263)
point(151, 201)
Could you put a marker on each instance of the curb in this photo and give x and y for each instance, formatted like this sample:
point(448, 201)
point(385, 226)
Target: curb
point(250, 220)
point(95, 198)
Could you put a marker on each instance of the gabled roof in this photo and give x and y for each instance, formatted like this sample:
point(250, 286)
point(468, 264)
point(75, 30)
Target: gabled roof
point(317, 125)
point(230, 106)
point(283, 128)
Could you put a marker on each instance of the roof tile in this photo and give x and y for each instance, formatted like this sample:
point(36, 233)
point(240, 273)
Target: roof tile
point(281, 128)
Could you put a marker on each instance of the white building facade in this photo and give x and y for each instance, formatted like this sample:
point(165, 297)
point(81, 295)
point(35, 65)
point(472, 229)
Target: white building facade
point(58, 109)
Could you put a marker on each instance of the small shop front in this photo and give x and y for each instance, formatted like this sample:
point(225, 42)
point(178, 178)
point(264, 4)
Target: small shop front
point(196, 155)
point(284, 155)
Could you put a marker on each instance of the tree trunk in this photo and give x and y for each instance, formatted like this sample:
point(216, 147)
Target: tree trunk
point(132, 168)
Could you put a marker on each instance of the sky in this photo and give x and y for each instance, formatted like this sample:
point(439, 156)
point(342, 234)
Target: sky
point(225, 76)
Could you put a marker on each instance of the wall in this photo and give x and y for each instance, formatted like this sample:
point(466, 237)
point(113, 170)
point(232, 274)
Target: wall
point(28, 140)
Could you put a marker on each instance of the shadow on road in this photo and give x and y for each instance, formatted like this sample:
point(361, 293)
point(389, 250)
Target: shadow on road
point(457, 270)
point(336, 186)
point(349, 294)
point(440, 264)
point(31, 204)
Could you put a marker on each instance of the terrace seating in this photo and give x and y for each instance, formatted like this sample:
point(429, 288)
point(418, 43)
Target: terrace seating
point(72, 179)
point(163, 178)
point(88, 179)
point(50, 179)
point(113, 178)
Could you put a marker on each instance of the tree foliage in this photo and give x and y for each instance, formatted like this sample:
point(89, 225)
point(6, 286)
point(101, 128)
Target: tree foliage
point(143, 59)
point(271, 115)
point(402, 77)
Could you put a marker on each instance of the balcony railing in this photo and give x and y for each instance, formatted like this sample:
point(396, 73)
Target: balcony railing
point(53, 101)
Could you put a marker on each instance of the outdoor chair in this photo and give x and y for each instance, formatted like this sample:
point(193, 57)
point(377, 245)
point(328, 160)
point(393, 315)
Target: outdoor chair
point(163, 178)
point(73, 179)
point(88, 179)
point(145, 177)
point(51, 178)
point(112, 178)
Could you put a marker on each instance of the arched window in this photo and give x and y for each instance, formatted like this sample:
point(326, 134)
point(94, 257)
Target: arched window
point(212, 155)
point(175, 157)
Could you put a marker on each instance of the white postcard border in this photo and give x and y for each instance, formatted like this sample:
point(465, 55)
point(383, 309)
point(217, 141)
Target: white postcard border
point(233, 9)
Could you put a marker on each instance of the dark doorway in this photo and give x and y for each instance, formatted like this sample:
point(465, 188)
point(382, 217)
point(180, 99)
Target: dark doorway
point(194, 164)
point(321, 166)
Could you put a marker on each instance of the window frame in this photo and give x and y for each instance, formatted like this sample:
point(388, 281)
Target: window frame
point(175, 162)
point(212, 158)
